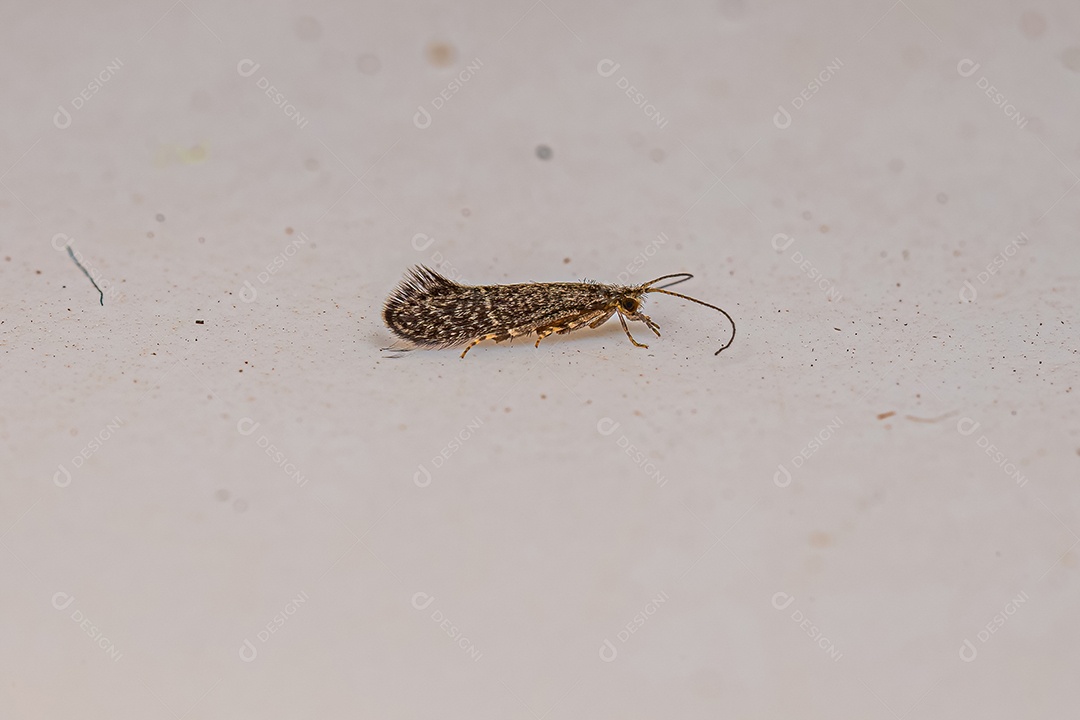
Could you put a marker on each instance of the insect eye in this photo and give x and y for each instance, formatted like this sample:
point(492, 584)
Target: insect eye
point(628, 305)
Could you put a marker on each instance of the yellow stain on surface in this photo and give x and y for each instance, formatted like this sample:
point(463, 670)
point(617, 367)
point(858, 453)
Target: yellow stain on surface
point(169, 154)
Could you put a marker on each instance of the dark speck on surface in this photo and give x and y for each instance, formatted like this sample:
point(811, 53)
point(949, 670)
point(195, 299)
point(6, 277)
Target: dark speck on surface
point(543, 152)
point(441, 54)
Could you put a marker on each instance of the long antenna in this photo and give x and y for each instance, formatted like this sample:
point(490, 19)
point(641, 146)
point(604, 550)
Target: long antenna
point(683, 277)
point(699, 302)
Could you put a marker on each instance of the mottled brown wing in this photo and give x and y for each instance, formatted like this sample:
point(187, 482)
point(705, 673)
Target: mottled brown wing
point(432, 311)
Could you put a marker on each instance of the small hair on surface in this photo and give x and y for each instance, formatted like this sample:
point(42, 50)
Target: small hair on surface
point(430, 310)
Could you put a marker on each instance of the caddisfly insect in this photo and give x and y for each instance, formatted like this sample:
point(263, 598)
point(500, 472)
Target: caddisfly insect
point(432, 311)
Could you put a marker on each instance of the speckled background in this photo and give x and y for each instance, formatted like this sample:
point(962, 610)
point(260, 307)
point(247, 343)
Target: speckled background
point(219, 499)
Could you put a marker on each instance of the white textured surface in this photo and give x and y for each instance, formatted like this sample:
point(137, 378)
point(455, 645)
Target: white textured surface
point(181, 538)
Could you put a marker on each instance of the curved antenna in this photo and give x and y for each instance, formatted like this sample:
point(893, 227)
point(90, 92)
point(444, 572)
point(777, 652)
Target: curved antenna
point(684, 277)
point(699, 302)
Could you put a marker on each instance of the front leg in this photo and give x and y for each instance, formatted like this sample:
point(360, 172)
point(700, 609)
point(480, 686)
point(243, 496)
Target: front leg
point(642, 317)
point(627, 331)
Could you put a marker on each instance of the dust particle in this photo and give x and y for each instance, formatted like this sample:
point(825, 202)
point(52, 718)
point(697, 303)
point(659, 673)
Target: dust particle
point(566, 261)
point(222, 495)
point(441, 54)
point(656, 155)
point(159, 217)
point(543, 152)
point(288, 231)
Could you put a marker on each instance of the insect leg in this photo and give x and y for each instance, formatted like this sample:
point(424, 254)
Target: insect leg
point(602, 319)
point(627, 331)
point(541, 334)
point(470, 347)
point(477, 341)
point(648, 321)
point(589, 319)
point(569, 324)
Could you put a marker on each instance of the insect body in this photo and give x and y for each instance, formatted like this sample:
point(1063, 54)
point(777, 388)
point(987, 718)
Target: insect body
point(430, 310)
